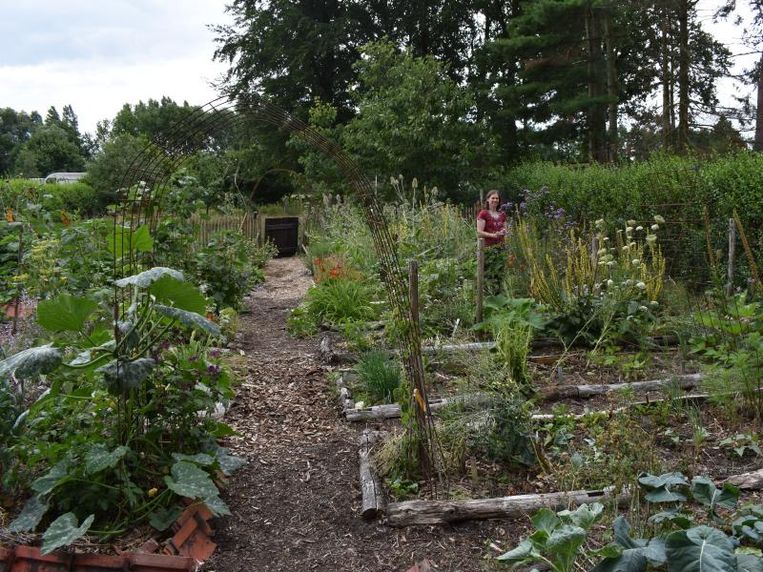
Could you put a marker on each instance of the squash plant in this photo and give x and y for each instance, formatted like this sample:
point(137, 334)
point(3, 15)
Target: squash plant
point(126, 427)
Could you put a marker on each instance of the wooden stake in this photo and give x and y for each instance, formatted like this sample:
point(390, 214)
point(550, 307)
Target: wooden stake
point(413, 291)
point(480, 278)
point(747, 251)
point(730, 269)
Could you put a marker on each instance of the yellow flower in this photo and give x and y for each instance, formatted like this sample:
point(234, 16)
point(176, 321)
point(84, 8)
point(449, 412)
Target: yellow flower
point(152, 492)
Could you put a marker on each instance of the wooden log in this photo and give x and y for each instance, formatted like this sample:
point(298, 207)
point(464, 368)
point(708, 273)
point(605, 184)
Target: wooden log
point(392, 410)
point(422, 512)
point(752, 481)
point(373, 502)
point(587, 391)
point(693, 398)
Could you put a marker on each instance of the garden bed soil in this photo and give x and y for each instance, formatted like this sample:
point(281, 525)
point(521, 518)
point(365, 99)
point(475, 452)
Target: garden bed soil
point(296, 504)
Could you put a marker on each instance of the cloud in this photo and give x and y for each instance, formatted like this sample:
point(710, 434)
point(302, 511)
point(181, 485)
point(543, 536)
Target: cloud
point(97, 56)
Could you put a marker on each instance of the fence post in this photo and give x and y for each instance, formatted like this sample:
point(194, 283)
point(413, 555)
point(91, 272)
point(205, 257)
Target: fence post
point(413, 291)
point(20, 261)
point(480, 278)
point(732, 255)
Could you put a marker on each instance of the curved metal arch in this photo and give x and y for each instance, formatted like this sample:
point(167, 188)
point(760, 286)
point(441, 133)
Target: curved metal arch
point(145, 180)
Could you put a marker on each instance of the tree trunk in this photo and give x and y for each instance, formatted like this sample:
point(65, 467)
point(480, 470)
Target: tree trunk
point(612, 89)
point(597, 126)
point(667, 80)
point(683, 76)
point(758, 145)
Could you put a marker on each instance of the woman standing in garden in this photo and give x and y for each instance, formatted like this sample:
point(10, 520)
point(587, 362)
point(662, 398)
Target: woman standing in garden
point(491, 226)
point(491, 222)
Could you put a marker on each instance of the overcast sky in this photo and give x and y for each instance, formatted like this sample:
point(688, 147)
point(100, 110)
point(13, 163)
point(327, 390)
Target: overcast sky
point(97, 56)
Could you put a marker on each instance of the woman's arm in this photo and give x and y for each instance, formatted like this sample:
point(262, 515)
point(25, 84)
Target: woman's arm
point(481, 230)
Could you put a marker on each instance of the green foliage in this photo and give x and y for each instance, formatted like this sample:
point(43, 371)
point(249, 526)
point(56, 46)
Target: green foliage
point(339, 300)
point(96, 445)
point(379, 375)
point(557, 539)
point(226, 268)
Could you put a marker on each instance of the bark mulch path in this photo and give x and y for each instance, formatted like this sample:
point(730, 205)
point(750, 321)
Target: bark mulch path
point(296, 503)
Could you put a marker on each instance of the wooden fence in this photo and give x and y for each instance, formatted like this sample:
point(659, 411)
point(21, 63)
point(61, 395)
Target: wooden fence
point(207, 226)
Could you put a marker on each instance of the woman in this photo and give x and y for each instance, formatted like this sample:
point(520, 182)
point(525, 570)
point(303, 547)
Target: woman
point(491, 227)
point(491, 223)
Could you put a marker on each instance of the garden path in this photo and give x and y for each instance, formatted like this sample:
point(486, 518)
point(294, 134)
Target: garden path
point(296, 503)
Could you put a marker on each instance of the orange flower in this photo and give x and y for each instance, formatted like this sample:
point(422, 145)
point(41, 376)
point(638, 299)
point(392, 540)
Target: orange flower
point(65, 218)
point(9, 215)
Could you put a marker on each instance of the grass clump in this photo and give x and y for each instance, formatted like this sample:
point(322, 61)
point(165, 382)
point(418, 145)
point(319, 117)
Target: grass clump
point(379, 375)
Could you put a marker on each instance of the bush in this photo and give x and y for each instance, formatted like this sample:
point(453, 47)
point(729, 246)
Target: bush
point(69, 197)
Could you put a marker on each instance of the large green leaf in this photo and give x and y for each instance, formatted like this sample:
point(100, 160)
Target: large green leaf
point(700, 549)
point(123, 241)
point(662, 488)
point(30, 516)
point(634, 553)
point(65, 313)
point(749, 563)
point(162, 518)
point(189, 319)
point(63, 531)
point(188, 480)
point(147, 277)
point(563, 545)
point(525, 551)
point(120, 375)
point(584, 516)
point(170, 291)
point(704, 491)
point(99, 458)
point(31, 362)
point(229, 463)
point(629, 560)
point(50, 480)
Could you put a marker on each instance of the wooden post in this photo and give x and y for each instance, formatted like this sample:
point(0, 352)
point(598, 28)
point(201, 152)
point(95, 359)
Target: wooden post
point(732, 255)
point(480, 278)
point(20, 259)
point(413, 291)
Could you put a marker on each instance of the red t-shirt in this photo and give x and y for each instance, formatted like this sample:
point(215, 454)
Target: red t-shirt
point(493, 225)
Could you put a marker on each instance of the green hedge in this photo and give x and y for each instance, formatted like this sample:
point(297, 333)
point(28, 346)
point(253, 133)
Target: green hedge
point(71, 197)
point(677, 188)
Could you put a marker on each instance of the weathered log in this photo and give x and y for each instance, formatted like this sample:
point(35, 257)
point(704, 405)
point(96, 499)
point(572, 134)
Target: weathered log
point(422, 512)
point(694, 398)
point(752, 481)
point(586, 391)
point(392, 410)
point(373, 501)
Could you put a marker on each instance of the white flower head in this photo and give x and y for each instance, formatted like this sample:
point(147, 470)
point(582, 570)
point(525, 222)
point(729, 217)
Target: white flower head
point(643, 308)
point(636, 262)
point(599, 224)
point(610, 282)
point(651, 238)
point(631, 222)
point(658, 219)
point(640, 285)
point(655, 227)
point(639, 227)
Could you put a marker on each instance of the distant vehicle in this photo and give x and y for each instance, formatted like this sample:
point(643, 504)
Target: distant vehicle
point(64, 177)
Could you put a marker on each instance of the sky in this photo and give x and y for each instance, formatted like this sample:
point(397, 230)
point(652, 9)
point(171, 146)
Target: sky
point(98, 55)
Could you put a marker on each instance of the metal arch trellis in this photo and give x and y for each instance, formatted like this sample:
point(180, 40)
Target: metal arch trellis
point(145, 180)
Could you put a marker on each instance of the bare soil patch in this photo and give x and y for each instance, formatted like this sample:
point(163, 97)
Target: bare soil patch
point(296, 504)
